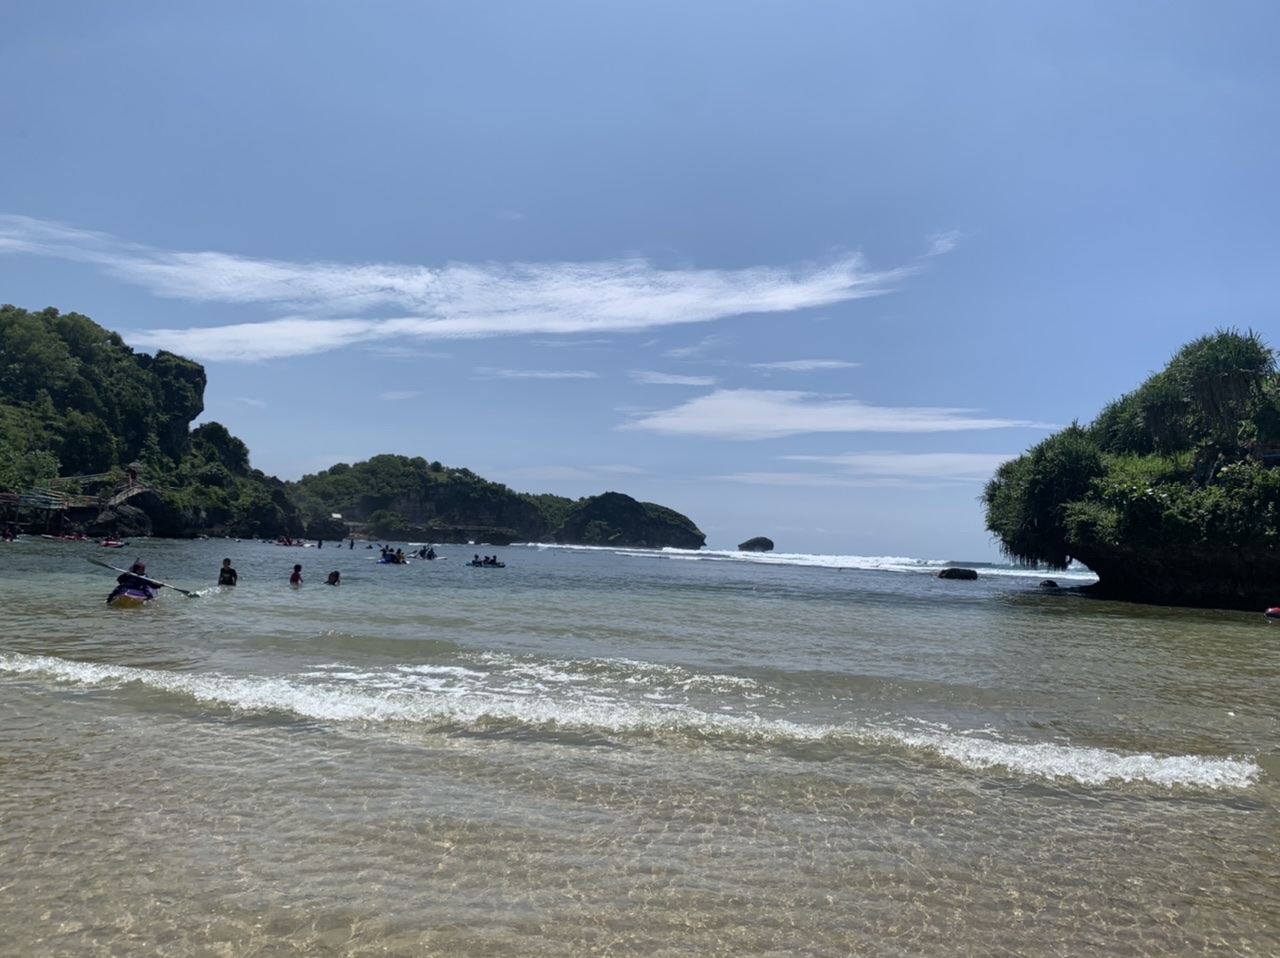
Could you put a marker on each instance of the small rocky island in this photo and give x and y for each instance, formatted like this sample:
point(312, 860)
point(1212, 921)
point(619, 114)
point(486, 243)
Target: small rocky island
point(758, 544)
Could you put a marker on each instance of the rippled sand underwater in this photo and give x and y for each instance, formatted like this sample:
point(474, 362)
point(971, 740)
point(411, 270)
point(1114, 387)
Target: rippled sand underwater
point(626, 755)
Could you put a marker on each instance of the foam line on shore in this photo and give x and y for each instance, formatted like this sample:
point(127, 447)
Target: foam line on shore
point(450, 697)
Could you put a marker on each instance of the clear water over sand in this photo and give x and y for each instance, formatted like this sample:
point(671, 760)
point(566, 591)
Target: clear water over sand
point(627, 753)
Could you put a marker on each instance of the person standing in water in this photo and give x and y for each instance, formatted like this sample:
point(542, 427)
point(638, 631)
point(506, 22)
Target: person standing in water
point(334, 578)
point(296, 578)
point(227, 575)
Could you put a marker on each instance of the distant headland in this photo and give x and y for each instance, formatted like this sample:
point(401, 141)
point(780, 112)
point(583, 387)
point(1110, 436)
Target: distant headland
point(96, 438)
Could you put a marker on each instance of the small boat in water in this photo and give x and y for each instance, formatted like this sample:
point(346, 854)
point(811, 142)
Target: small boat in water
point(112, 544)
point(1273, 612)
point(130, 598)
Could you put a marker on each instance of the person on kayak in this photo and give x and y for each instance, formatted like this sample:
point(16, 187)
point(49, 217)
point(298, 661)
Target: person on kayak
point(296, 578)
point(227, 575)
point(135, 580)
point(136, 577)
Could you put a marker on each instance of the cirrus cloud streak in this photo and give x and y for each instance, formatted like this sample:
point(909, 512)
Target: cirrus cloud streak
point(329, 305)
point(772, 414)
point(916, 465)
point(806, 365)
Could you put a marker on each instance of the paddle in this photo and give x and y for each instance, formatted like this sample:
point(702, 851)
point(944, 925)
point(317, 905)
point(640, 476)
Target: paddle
point(107, 565)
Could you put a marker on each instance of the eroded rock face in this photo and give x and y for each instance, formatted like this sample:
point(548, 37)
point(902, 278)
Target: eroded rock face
point(123, 521)
point(958, 574)
point(1217, 576)
point(758, 544)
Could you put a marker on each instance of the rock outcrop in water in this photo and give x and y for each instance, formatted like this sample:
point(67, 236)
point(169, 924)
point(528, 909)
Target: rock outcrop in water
point(758, 544)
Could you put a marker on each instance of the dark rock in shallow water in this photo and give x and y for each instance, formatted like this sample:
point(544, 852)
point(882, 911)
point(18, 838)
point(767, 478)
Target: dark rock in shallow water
point(958, 574)
point(758, 544)
point(1048, 584)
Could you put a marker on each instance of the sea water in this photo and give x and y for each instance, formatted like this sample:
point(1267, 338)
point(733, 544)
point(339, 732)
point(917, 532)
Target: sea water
point(625, 752)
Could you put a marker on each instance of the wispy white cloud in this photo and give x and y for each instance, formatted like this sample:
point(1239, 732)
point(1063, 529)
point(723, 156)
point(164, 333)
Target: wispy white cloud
point(399, 351)
point(943, 242)
point(405, 394)
point(806, 365)
point(669, 379)
point(815, 480)
point(250, 342)
point(770, 414)
point(329, 305)
point(698, 348)
point(867, 470)
point(486, 372)
point(573, 343)
point(918, 465)
point(552, 473)
point(255, 403)
point(511, 215)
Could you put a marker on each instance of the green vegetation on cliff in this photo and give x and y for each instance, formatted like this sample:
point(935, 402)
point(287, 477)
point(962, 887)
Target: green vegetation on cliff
point(71, 388)
point(1167, 495)
point(398, 497)
point(613, 519)
point(77, 403)
point(80, 411)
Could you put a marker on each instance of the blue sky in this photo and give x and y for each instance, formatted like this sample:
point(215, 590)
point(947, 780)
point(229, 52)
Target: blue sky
point(808, 271)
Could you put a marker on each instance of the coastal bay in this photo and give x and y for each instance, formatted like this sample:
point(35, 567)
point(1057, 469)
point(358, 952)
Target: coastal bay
point(626, 752)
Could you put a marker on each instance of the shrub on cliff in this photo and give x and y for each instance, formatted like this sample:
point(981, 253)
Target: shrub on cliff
point(1173, 475)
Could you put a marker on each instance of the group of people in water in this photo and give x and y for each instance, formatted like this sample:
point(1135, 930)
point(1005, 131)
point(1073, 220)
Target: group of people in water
point(299, 541)
point(333, 578)
point(135, 578)
point(227, 575)
point(398, 557)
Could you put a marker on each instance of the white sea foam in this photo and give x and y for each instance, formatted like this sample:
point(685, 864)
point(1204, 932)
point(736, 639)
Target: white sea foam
point(1075, 574)
point(455, 697)
point(1083, 765)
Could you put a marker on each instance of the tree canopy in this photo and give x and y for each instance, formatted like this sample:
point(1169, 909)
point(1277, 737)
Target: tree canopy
point(74, 389)
point(399, 497)
point(75, 401)
point(1174, 475)
point(78, 404)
